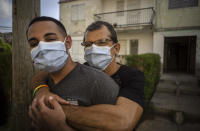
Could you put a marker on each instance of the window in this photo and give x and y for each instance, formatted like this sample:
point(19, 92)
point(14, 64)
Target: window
point(182, 3)
point(120, 7)
point(134, 47)
point(78, 12)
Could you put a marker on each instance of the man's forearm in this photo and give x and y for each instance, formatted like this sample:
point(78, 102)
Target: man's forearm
point(122, 116)
point(64, 127)
point(82, 127)
point(89, 118)
point(39, 79)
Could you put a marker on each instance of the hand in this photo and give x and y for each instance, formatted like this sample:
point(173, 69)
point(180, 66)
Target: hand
point(44, 92)
point(48, 118)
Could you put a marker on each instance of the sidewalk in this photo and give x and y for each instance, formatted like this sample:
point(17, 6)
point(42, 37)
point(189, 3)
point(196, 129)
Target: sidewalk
point(175, 105)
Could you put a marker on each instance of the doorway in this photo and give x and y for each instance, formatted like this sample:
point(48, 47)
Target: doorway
point(179, 54)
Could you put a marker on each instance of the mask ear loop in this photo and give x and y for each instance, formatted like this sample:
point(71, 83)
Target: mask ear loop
point(64, 40)
point(64, 44)
point(112, 47)
point(115, 54)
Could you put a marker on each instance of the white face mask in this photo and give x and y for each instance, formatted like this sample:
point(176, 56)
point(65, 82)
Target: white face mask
point(49, 56)
point(98, 56)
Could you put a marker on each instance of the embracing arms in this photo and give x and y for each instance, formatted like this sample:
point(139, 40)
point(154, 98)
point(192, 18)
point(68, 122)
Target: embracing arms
point(122, 116)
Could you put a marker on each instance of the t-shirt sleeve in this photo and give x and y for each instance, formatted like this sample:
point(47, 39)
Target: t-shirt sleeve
point(133, 88)
point(106, 90)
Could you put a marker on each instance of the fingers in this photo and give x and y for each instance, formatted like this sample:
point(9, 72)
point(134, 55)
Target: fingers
point(34, 125)
point(41, 105)
point(34, 109)
point(54, 103)
point(61, 101)
point(31, 115)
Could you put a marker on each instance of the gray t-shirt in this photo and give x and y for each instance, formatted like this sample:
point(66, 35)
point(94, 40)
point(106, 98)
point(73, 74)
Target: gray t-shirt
point(87, 86)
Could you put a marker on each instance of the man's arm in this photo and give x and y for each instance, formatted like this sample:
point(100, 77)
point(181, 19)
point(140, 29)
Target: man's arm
point(122, 116)
point(47, 118)
point(39, 78)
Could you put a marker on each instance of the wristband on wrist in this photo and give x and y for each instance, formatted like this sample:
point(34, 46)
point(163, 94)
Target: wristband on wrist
point(37, 88)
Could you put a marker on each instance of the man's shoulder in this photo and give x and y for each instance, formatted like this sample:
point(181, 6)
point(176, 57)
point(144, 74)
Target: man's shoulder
point(129, 71)
point(89, 69)
point(92, 72)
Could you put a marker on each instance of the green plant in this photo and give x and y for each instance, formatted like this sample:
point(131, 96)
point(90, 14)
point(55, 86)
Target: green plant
point(5, 77)
point(5, 64)
point(150, 64)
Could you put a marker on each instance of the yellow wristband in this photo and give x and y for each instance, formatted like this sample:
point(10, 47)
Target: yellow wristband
point(37, 88)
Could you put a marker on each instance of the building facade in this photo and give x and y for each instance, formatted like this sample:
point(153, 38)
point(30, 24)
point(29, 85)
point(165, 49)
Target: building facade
point(177, 35)
point(170, 28)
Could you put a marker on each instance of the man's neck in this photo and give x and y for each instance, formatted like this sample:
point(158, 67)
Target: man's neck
point(59, 75)
point(112, 68)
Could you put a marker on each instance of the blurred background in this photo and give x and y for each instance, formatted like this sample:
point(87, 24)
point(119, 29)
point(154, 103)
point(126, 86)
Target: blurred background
point(159, 37)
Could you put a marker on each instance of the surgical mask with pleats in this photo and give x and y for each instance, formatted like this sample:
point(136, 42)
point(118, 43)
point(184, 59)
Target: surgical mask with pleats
point(98, 56)
point(49, 56)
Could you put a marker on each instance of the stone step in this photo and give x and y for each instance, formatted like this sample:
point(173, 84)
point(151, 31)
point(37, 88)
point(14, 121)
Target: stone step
point(166, 103)
point(181, 78)
point(166, 87)
point(157, 124)
point(169, 86)
point(162, 124)
point(176, 82)
point(186, 89)
point(189, 90)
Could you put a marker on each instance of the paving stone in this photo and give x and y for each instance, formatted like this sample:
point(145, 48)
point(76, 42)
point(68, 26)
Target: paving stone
point(157, 124)
point(189, 127)
point(190, 89)
point(178, 94)
point(165, 103)
point(166, 87)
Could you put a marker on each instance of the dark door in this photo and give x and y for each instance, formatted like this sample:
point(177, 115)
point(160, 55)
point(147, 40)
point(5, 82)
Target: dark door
point(179, 54)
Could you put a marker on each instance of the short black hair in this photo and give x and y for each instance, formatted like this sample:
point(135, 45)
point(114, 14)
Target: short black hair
point(46, 18)
point(98, 25)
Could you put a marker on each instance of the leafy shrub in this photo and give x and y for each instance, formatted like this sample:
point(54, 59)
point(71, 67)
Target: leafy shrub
point(5, 79)
point(5, 64)
point(150, 64)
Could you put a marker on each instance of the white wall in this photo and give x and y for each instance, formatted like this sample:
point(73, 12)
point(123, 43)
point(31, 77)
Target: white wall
point(145, 42)
point(77, 51)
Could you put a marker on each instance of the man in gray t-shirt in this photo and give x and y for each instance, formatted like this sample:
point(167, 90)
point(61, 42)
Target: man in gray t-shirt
point(82, 85)
point(86, 86)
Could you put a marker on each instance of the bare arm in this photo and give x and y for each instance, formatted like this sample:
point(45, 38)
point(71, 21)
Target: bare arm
point(41, 78)
point(38, 79)
point(122, 116)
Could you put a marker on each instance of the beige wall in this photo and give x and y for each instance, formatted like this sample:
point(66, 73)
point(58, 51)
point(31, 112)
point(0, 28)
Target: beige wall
point(77, 51)
point(110, 5)
point(173, 18)
point(95, 7)
point(77, 28)
point(145, 42)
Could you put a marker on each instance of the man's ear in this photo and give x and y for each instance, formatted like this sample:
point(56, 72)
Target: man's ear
point(68, 42)
point(117, 48)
